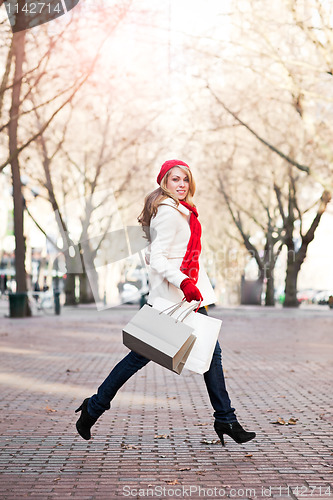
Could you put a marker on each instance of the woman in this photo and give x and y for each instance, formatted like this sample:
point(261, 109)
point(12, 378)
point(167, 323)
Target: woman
point(170, 220)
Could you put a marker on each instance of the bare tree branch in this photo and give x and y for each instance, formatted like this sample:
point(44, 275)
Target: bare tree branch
point(30, 110)
point(237, 221)
point(6, 75)
point(303, 168)
point(44, 127)
point(41, 229)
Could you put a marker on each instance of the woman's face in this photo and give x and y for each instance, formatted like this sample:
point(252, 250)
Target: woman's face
point(178, 183)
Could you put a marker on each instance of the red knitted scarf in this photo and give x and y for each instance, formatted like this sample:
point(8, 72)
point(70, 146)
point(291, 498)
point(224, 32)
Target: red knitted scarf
point(190, 264)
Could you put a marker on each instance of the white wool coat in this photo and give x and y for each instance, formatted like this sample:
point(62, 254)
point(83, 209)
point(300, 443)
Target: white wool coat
point(170, 233)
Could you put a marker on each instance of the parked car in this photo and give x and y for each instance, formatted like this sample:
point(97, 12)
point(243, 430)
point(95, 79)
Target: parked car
point(322, 297)
point(131, 294)
point(306, 296)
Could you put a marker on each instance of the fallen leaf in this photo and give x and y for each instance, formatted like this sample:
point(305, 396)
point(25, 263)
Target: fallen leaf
point(184, 468)
point(326, 416)
point(200, 472)
point(279, 421)
point(129, 446)
point(249, 455)
point(175, 481)
point(47, 408)
point(201, 424)
point(213, 441)
point(162, 436)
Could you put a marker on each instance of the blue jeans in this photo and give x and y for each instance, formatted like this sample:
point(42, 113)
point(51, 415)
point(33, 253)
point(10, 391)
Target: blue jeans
point(130, 364)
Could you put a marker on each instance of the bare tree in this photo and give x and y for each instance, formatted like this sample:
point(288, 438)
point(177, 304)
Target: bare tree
point(289, 216)
point(29, 74)
point(289, 117)
point(291, 213)
point(81, 169)
point(18, 49)
point(265, 259)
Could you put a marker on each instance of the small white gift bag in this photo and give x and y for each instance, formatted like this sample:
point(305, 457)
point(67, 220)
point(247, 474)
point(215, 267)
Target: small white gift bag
point(206, 330)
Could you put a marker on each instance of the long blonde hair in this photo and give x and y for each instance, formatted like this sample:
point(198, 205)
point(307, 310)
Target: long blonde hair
point(156, 197)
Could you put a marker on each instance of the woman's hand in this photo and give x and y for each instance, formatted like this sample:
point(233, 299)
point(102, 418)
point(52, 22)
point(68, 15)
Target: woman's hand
point(190, 291)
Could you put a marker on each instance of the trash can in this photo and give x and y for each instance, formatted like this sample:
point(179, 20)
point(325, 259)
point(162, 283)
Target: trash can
point(56, 294)
point(18, 305)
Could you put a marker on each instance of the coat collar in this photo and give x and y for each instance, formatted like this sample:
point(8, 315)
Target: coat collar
point(180, 208)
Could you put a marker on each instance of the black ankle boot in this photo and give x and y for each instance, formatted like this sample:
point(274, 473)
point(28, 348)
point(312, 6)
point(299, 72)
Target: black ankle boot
point(234, 430)
point(85, 422)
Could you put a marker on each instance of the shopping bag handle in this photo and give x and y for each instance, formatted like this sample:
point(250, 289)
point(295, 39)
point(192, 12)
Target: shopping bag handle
point(198, 305)
point(188, 311)
point(173, 308)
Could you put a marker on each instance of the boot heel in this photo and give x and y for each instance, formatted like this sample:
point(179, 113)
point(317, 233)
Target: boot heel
point(234, 430)
point(85, 422)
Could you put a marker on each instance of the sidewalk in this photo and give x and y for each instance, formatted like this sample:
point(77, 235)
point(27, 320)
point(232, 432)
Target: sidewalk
point(157, 441)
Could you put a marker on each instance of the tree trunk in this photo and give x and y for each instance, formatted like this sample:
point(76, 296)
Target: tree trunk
point(293, 267)
point(88, 290)
point(269, 261)
point(295, 260)
point(6, 75)
point(86, 293)
point(291, 285)
point(269, 297)
point(73, 269)
point(70, 299)
point(20, 272)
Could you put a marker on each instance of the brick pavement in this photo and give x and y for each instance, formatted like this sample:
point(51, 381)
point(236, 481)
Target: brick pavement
point(277, 364)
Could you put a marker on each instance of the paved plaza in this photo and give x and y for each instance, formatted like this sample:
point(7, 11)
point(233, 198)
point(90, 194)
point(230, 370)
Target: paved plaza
point(157, 441)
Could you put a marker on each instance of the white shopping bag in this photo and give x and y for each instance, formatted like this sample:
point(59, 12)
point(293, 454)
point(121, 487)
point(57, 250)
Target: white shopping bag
point(159, 337)
point(206, 330)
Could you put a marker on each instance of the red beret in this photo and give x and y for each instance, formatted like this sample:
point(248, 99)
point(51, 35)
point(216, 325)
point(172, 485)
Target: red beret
point(167, 166)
